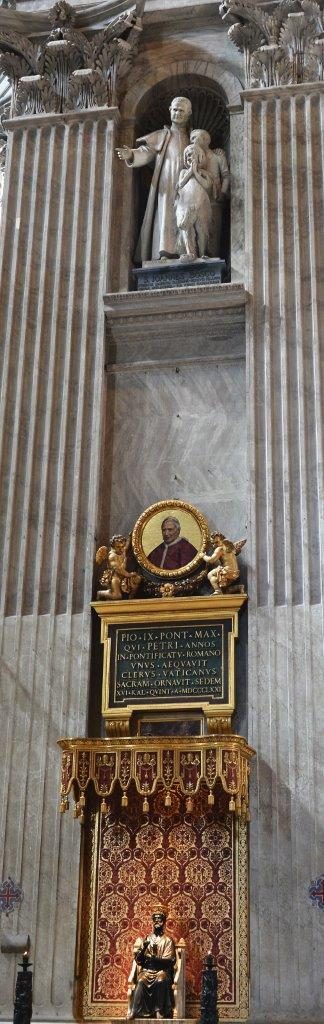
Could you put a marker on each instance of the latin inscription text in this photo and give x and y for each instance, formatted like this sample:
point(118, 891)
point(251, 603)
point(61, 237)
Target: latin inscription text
point(180, 662)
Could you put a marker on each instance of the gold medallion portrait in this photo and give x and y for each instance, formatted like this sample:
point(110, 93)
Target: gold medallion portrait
point(170, 538)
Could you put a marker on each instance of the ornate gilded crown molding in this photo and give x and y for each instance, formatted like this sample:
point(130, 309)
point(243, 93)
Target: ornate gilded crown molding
point(67, 70)
point(283, 46)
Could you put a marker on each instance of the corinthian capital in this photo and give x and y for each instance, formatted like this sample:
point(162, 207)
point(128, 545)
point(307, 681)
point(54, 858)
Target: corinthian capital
point(284, 46)
point(67, 69)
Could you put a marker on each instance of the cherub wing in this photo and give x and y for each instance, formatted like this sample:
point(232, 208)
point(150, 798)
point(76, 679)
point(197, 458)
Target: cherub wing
point(238, 545)
point(101, 555)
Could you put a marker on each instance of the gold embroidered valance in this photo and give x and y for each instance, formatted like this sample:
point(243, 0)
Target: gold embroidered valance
point(188, 763)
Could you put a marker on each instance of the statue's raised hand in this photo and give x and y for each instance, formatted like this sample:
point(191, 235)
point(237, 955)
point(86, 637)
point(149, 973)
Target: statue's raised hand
point(124, 153)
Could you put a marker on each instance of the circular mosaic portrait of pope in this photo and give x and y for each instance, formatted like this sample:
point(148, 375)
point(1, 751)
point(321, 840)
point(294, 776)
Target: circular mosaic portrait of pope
point(170, 538)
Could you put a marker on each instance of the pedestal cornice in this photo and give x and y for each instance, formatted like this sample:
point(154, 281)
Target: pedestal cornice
point(165, 300)
point(69, 117)
point(282, 92)
point(166, 325)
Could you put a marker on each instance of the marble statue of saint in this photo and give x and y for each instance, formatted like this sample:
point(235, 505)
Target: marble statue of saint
point(165, 148)
point(193, 206)
point(155, 957)
point(217, 167)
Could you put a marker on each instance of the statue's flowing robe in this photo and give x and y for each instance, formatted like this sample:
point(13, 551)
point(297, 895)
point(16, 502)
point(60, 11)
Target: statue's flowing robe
point(218, 168)
point(159, 236)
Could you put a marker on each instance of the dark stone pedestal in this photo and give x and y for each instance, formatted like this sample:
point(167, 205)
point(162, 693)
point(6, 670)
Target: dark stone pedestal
point(178, 274)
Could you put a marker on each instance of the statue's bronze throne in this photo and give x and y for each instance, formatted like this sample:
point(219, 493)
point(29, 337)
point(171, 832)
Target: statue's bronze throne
point(179, 979)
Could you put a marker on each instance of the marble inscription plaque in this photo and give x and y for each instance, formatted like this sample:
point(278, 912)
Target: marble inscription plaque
point(171, 662)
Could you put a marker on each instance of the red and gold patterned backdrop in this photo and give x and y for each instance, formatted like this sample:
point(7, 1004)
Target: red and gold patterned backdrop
point(189, 863)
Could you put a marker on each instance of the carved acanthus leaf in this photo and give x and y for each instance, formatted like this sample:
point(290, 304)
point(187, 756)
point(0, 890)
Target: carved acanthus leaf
point(87, 88)
point(313, 10)
point(282, 74)
point(274, 20)
point(13, 66)
point(60, 59)
point(270, 68)
point(245, 12)
point(115, 60)
point(296, 32)
point(21, 46)
point(246, 37)
point(108, 55)
point(123, 58)
point(35, 95)
point(316, 56)
point(80, 41)
point(312, 68)
point(96, 44)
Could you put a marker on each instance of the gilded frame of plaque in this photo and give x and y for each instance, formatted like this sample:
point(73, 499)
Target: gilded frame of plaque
point(133, 620)
point(147, 536)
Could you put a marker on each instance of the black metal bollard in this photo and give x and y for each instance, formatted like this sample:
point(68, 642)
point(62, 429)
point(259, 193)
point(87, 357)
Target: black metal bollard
point(208, 1002)
point(24, 993)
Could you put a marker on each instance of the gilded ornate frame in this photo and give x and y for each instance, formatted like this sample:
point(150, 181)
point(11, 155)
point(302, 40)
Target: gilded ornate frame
point(165, 507)
point(157, 610)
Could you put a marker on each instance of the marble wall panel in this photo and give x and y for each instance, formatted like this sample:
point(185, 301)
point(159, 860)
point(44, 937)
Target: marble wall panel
point(181, 430)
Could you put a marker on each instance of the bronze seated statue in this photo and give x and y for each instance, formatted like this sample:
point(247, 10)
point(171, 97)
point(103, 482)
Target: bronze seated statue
point(156, 982)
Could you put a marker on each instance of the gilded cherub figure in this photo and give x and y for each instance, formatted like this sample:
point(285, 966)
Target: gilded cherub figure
point(116, 579)
point(225, 552)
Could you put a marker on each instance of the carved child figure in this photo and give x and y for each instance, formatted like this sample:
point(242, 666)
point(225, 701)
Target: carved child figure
point(227, 569)
point(192, 204)
point(116, 579)
point(217, 167)
point(216, 162)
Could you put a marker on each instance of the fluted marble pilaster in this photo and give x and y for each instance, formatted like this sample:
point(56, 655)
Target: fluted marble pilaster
point(54, 270)
point(284, 254)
